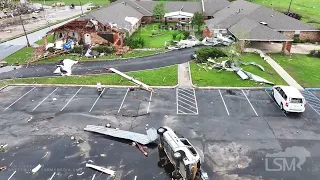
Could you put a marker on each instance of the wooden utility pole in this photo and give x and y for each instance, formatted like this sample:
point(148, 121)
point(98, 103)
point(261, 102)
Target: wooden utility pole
point(289, 6)
point(24, 30)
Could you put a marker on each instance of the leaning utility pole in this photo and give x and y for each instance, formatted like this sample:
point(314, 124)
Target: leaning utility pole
point(289, 6)
point(24, 30)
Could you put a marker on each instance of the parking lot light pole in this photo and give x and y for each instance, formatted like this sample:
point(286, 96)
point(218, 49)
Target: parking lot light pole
point(81, 7)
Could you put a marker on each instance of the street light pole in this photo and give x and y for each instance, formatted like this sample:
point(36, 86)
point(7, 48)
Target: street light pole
point(289, 6)
point(81, 7)
point(24, 30)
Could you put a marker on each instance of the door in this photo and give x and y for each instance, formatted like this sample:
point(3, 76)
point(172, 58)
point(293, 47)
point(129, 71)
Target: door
point(276, 95)
point(87, 38)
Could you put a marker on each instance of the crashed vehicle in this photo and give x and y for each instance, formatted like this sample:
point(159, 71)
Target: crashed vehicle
point(181, 154)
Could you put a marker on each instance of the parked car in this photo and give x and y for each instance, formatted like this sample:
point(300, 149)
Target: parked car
point(289, 99)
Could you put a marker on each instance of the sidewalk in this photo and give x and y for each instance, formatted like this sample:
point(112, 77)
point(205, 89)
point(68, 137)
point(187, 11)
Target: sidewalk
point(184, 79)
point(277, 68)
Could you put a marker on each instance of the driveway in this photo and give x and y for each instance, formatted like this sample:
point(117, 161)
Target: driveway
point(268, 47)
point(99, 67)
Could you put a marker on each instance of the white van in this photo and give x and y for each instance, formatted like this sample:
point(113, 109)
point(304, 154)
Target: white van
point(289, 99)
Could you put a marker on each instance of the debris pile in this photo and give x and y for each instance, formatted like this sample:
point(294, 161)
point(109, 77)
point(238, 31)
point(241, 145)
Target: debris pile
point(64, 67)
point(229, 65)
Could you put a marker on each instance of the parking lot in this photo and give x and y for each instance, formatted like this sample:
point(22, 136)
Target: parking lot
point(233, 130)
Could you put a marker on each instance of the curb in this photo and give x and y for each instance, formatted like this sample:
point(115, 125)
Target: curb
point(312, 89)
point(4, 87)
point(238, 88)
point(92, 86)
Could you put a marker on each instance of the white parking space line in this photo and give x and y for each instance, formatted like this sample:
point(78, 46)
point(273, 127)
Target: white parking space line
point(52, 176)
point(93, 177)
point(314, 96)
point(70, 99)
point(187, 109)
point(187, 92)
point(19, 98)
point(97, 100)
point(312, 100)
point(149, 103)
point(186, 101)
point(123, 100)
point(12, 175)
point(250, 103)
point(314, 109)
point(45, 99)
point(195, 99)
point(224, 102)
point(275, 103)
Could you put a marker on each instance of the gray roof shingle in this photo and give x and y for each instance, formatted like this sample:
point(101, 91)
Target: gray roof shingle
point(171, 6)
point(114, 13)
point(248, 29)
point(212, 6)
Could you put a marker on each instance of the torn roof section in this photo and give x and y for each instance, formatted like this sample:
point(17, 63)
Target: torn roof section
point(247, 29)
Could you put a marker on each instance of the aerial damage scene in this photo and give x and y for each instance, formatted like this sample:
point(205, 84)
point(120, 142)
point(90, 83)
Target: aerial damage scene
point(143, 89)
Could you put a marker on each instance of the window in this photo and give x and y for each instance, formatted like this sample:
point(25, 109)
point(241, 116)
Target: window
point(183, 19)
point(296, 100)
point(170, 18)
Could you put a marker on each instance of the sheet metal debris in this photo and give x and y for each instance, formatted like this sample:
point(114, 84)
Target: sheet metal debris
point(150, 137)
point(64, 67)
point(2, 168)
point(102, 169)
point(36, 169)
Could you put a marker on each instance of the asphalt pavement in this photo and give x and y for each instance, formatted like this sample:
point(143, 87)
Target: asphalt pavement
point(238, 133)
point(99, 67)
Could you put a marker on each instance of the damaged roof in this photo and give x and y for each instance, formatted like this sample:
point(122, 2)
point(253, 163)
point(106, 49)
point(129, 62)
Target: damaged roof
point(115, 14)
point(240, 9)
point(248, 29)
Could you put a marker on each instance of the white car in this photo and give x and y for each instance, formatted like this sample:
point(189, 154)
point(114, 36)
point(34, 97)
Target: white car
point(289, 99)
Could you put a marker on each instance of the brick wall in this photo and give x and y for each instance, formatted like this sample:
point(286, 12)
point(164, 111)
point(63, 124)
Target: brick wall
point(286, 46)
point(313, 36)
point(206, 33)
point(289, 34)
point(147, 19)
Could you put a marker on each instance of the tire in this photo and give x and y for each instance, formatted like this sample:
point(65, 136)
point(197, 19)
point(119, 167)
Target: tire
point(176, 176)
point(178, 155)
point(281, 106)
point(161, 130)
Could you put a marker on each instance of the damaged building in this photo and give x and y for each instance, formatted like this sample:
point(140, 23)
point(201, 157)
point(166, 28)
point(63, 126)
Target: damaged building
point(89, 32)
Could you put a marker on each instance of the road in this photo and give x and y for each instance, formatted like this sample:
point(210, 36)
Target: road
point(99, 67)
point(9, 47)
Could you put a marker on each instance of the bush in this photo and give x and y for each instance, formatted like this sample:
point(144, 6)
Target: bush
point(103, 49)
point(314, 53)
point(174, 35)
point(186, 34)
point(180, 36)
point(77, 50)
point(205, 53)
point(135, 42)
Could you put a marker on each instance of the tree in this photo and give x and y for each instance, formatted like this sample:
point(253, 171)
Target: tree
point(197, 21)
point(159, 10)
point(111, 1)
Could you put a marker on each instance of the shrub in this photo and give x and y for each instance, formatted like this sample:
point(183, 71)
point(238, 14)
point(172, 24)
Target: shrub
point(103, 49)
point(77, 50)
point(135, 42)
point(315, 53)
point(186, 34)
point(174, 35)
point(180, 36)
point(205, 53)
point(296, 40)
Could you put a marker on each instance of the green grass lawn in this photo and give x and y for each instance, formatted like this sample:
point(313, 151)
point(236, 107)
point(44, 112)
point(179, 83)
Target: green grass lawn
point(69, 2)
point(166, 76)
point(309, 9)
point(213, 77)
point(24, 55)
point(153, 42)
point(50, 39)
point(304, 69)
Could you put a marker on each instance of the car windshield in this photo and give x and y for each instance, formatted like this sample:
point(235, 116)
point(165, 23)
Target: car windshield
point(296, 100)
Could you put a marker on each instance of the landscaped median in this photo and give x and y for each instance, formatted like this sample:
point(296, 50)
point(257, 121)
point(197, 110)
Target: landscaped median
point(166, 76)
point(304, 69)
point(214, 77)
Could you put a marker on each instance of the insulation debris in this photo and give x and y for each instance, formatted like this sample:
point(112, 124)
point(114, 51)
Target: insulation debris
point(102, 169)
point(143, 139)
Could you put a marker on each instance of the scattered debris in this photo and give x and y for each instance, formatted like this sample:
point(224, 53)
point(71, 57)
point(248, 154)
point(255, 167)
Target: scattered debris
point(80, 174)
point(72, 138)
point(70, 176)
point(80, 140)
point(137, 137)
point(102, 169)
point(253, 63)
point(2, 168)
point(142, 85)
point(29, 119)
point(108, 126)
point(103, 155)
point(64, 67)
point(36, 169)
point(54, 99)
point(45, 155)
point(141, 148)
point(3, 147)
